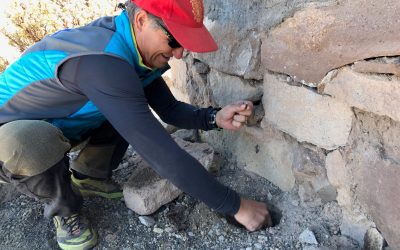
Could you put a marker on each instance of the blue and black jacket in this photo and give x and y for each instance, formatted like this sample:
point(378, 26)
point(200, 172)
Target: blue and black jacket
point(78, 78)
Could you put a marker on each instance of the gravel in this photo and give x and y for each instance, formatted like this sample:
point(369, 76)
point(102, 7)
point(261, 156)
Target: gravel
point(185, 223)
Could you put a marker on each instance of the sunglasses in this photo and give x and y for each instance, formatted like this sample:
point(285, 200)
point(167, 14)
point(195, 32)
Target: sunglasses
point(172, 42)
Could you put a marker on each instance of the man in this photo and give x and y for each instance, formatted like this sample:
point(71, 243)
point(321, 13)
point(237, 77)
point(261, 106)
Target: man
point(95, 84)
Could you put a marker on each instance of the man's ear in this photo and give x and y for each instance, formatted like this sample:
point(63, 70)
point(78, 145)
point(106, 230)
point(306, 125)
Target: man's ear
point(140, 20)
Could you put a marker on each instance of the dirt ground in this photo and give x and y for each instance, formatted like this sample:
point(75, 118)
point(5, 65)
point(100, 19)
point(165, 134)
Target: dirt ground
point(185, 223)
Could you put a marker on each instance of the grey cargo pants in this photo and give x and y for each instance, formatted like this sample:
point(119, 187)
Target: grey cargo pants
point(33, 159)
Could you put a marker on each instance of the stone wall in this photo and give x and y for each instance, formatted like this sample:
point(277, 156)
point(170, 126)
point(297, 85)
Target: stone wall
point(325, 80)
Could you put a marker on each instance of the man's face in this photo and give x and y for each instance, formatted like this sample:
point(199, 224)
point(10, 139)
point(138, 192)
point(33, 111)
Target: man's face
point(153, 42)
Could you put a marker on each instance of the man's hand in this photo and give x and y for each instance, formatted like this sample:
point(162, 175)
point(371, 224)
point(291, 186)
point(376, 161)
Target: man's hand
point(253, 215)
point(234, 116)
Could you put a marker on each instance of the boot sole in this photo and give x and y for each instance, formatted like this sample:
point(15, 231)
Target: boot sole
point(84, 246)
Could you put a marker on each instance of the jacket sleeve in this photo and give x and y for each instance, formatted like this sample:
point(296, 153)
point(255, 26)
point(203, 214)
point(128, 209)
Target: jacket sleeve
point(172, 111)
point(114, 87)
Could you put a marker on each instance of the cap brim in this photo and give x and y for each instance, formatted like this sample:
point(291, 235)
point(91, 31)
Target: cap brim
point(192, 39)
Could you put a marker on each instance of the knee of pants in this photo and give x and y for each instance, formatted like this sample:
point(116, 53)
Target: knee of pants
point(30, 147)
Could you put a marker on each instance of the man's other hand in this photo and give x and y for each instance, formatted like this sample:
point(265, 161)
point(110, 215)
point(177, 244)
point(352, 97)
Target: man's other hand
point(253, 215)
point(234, 116)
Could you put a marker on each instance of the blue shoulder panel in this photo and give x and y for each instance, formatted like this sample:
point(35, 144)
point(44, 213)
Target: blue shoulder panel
point(29, 68)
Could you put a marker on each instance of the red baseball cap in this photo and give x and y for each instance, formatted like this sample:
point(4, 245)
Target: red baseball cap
point(184, 20)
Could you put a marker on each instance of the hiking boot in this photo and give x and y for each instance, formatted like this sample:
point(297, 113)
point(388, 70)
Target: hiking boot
point(74, 233)
point(90, 187)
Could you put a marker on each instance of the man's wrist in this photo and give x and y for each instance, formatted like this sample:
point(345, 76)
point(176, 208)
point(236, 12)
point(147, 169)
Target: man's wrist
point(212, 118)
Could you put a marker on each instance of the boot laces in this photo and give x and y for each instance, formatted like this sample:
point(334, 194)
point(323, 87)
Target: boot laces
point(72, 223)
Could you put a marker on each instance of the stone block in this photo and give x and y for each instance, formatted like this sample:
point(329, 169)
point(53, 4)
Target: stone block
point(221, 141)
point(355, 225)
point(376, 173)
point(318, 39)
point(145, 191)
point(228, 89)
point(268, 154)
point(339, 177)
point(240, 57)
point(306, 115)
point(177, 80)
point(200, 93)
point(376, 67)
point(372, 93)
point(336, 169)
point(378, 188)
point(310, 174)
point(373, 240)
point(202, 152)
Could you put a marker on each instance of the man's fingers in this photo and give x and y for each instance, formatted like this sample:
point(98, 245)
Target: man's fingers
point(240, 118)
point(237, 124)
point(244, 106)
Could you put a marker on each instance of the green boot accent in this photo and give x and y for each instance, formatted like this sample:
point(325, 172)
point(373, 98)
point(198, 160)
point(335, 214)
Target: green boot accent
point(74, 233)
point(90, 187)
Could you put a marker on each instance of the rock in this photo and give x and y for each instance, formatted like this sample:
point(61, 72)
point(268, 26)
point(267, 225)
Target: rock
point(7, 192)
point(170, 128)
point(239, 38)
point(336, 169)
point(267, 153)
point(257, 245)
point(373, 240)
point(158, 230)
point(239, 89)
point(146, 191)
point(343, 243)
point(374, 163)
point(376, 67)
point(332, 213)
point(317, 39)
point(176, 79)
point(372, 93)
point(178, 217)
point(201, 152)
point(355, 225)
point(307, 116)
point(200, 67)
point(378, 190)
point(198, 87)
point(339, 177)
point(147, 221)
point(308, 237)
point(246, 63)
point(311, 248)
point(186, 135)
point(309, 171)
